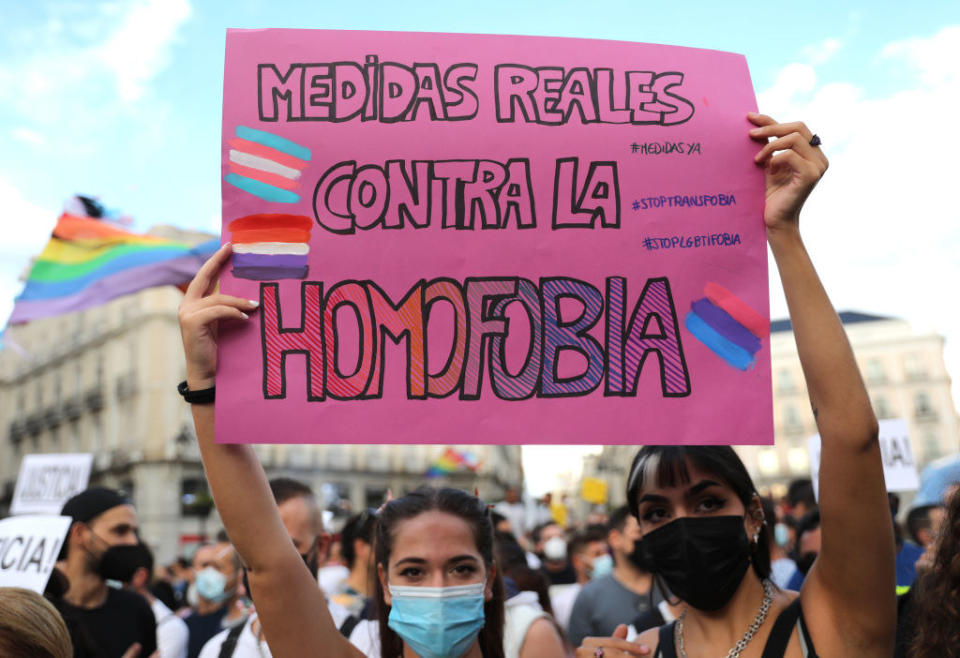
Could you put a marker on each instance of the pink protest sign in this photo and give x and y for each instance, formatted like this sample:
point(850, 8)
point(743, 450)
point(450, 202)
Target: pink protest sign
point(491, 239)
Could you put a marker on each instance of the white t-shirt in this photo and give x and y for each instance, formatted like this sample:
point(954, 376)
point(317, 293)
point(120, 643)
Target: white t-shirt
point(520, 612)
point(516, 514)
point(333, 579)
point(172, 633)
point(562, 598)
point(366, 637)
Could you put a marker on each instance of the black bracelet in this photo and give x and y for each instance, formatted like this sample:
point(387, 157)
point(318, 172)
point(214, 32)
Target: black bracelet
point(204, 396)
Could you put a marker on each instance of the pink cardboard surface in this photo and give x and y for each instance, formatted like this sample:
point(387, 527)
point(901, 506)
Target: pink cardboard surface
point(463, 238)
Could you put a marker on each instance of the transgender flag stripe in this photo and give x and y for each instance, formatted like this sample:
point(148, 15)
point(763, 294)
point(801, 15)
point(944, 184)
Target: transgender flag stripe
point(273, 141)
point(263, 164)
point(266, 165)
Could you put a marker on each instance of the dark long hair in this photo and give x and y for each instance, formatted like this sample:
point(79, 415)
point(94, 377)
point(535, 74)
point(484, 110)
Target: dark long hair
point(476, 514)
point(937, 602)
point(667, 465)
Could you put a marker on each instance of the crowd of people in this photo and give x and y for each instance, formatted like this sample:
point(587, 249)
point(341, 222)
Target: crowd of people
point(696, 564)
point(591, 584)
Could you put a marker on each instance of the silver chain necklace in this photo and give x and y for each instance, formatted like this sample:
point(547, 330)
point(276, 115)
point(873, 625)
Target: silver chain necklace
point(745, 640)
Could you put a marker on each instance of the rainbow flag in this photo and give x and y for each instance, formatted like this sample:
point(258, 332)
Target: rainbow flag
point(88, 262)
point(452, 461)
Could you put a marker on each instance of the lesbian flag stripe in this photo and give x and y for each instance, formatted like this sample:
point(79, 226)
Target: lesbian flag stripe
point(270, 246)
point(727, 326)
point(266, 165)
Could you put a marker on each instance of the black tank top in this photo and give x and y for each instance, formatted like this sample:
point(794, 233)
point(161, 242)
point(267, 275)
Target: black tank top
point(791, 617)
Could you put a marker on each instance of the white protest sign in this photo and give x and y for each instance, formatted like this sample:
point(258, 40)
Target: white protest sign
point(29, 546)
point(899, 465)
point(46, 482)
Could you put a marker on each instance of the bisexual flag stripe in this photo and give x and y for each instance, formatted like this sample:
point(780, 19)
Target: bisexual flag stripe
point(755, 323)
point(727, 326)
point(733, 354)
point(721, 322)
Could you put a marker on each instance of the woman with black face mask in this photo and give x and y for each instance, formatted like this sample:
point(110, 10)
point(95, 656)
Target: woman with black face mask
point(704, 533)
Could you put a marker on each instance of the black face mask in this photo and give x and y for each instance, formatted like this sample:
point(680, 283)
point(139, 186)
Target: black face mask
point(312, 560)
point(638, 557)
point(701, 559)
point(120, 563)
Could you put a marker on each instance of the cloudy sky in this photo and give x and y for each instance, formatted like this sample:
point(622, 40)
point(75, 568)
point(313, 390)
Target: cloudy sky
point(121, 99)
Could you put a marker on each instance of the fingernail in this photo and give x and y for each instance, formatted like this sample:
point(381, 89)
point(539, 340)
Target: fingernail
point(253, 303)
point(754, 131)
point(245, 316)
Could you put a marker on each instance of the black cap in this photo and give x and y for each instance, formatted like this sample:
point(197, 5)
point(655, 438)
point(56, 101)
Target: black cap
point(93, 502)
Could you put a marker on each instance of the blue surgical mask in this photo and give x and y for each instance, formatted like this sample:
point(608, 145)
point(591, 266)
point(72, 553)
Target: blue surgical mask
point(437, 622)
point(211, 585)
point(602, 565)
point(781, 534)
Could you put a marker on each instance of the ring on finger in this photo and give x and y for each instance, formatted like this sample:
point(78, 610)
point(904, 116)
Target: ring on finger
point(598, 652)
point(815, 140)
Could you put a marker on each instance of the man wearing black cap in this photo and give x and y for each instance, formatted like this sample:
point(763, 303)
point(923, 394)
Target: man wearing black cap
point(104, 527)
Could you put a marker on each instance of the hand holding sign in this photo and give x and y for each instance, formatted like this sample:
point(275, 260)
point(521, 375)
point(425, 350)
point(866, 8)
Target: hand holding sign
point(793, 167)
point(200, 311)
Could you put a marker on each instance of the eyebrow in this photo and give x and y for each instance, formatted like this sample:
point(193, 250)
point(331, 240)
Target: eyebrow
point(420, 560)
point(700, 486)
point(692, 491)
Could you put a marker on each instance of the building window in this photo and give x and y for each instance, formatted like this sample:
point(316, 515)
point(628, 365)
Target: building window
point(922, 406)
point(195, 498)
point(374, 497)
point(914, 366)
point(785, 382)
point(791, 419)
point(875, 371)
point(931, 447)
point(882, 407)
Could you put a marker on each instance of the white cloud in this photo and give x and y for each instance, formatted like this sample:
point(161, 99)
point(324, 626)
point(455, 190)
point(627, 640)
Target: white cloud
point(28, 136)
point(138, 49)
point(883, 226)
point(822, 52)
point(26, 229)
point(793, 81)
point(87, 66)
point(935, 58)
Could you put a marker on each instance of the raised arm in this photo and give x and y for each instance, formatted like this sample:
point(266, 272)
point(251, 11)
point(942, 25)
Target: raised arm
point(849, 594)
point(290, 604)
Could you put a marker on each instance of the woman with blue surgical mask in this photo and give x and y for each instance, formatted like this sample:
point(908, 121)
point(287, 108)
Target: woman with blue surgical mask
point(438, 592)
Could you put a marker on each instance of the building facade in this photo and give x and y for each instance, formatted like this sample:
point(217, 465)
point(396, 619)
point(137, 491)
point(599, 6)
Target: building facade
point(103, 380)
point(905, 375)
